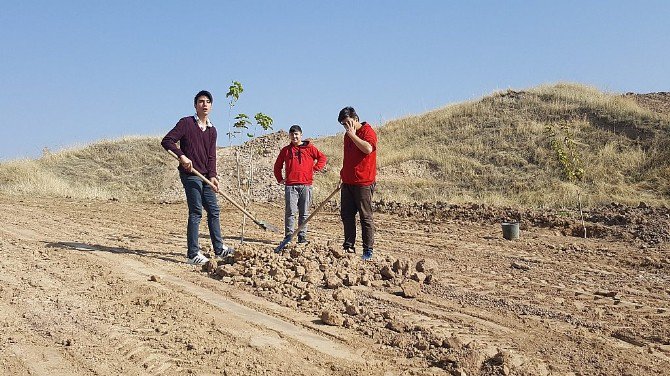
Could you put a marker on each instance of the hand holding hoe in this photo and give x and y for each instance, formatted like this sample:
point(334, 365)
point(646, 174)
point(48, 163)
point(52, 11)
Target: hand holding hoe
point(288, 239)
point(261, 224)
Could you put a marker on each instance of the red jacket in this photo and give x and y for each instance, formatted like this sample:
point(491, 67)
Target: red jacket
point(301, 161)
point(359, 168)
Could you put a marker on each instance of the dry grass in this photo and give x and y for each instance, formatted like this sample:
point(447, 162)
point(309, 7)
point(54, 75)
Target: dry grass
point(131, 168)
point(494, 150)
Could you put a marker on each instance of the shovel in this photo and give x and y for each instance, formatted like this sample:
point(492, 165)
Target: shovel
point(288, 239)
point(261, 224)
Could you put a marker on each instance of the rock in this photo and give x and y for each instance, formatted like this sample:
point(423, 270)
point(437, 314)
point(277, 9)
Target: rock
point(226, 271)
point(243, 253)
point(366, 280)
point(452, 342)
point(331, 317)
point(344, 294)
point(459, 372)
point(387, 273)
point(154, 278)
point(300, 271)
point(332, 282)
point(426, 266)
point(280, 277)
point(396, 325)
point(422, 345)
point(399, 341)
point(411, 289)
point(351, 279)
point(313, 277)
point(608, 294)
point(500, 358)
point(418, 276)
point(300, 285)
point(337, 252)
point(210, 266)
point(401, 266)
point(377, 283)
point(352, 309)
point(309, 295)
point(250, 271)
point(267, 284)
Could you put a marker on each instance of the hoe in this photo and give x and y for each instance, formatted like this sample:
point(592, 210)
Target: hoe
point(261, 224)
point(288, 239)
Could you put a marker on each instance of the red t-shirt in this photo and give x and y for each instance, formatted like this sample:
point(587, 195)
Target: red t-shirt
point(359, 168)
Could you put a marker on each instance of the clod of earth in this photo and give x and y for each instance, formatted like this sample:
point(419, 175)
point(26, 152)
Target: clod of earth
point(411, 289)
point(331, 317)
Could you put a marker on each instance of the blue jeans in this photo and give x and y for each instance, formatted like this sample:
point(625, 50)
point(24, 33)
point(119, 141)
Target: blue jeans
point(297, 198)
point(199, 195)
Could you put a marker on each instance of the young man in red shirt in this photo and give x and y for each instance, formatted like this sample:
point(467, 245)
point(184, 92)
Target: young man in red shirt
point(197, 150)
point(301, 159)
point(358, 175)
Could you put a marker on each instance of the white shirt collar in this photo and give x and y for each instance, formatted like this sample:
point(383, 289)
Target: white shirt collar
point(199, 123)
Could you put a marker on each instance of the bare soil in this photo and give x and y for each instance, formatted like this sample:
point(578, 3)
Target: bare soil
point(101, 288)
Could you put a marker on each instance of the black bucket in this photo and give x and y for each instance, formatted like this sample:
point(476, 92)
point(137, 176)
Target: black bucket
point(510, 230)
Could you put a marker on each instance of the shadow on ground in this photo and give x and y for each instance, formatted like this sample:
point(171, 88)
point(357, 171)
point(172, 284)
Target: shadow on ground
point(97, 247)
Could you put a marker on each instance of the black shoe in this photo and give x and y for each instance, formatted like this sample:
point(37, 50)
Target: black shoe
point(302, 239)
point(349, 249)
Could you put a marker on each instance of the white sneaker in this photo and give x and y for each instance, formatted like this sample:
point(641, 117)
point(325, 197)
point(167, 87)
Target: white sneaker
point(199, 259)
point(227, 251)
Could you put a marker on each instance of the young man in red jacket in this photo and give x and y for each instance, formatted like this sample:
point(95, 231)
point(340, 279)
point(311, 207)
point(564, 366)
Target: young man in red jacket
point(358, 175)
point(301, 159)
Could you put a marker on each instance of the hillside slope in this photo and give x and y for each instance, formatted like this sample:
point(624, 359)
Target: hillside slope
point(495, 150)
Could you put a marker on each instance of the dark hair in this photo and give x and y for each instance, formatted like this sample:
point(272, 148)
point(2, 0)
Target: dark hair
point(295, 128)
point(200, 94)
point(347, 112)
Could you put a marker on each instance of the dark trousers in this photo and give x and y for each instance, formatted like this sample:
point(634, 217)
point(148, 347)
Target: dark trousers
point(357, 199)
point(199, 195)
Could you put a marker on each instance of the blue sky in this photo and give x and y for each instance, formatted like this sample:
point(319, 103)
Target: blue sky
point(73, 72)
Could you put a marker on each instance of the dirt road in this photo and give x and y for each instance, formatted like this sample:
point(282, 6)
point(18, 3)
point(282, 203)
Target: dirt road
point(100, 288)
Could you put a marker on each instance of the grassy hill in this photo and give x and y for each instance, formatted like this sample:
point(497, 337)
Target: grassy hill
point(495, 150)
point(127, 168)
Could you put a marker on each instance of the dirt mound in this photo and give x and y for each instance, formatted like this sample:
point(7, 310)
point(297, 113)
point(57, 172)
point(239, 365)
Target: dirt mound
point(646, 224)
point(341, 289)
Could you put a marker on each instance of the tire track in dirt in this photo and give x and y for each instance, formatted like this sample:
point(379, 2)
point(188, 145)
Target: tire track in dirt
point(482, 297)
point(239, 311)
point(49, 343)
point(153, 362)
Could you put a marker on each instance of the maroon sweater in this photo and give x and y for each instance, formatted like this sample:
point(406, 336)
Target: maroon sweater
point(198, 146)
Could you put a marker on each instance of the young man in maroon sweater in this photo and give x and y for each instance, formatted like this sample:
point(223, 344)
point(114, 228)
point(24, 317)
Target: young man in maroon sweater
point(197, 151)
point(301, 159)
point(358, 175)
